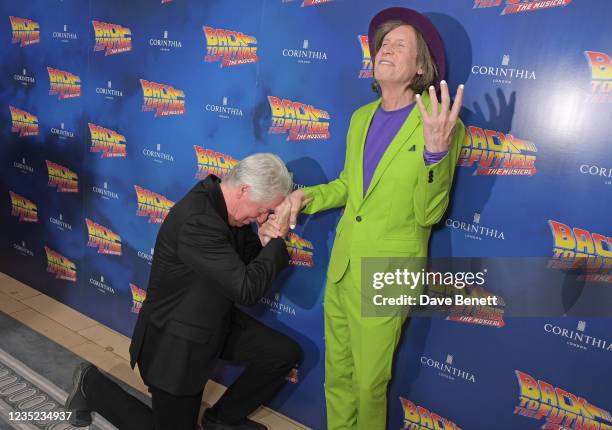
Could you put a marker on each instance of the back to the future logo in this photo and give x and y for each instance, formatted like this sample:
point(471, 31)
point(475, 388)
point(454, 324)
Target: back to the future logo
point(107, 142)
point(601, 77)
point(25, 31)
point(299, 120)
point(367, 69)
point(112, 38)
point(579, 249)
point(517, 6)
point(23, 123)
point(231, 48)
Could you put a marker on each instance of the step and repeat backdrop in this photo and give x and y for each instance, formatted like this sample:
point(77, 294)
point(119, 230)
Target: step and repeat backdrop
point(111, 111)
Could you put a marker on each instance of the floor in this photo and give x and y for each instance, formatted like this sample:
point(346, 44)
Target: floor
point(97, 343)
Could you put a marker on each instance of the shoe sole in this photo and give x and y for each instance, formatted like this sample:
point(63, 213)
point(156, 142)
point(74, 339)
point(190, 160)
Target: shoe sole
point(75, 389)
point(210, 425)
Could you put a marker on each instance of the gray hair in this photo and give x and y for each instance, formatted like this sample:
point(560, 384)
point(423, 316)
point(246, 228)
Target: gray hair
point(265, 173)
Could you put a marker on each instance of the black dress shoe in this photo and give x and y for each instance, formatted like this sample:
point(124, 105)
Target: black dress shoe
point(210, 423)
point(76, 401)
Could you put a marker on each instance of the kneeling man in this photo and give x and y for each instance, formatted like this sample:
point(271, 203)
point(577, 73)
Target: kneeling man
point(207, 259)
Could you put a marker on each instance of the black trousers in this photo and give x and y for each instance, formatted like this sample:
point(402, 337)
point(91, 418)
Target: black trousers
point(267, 354)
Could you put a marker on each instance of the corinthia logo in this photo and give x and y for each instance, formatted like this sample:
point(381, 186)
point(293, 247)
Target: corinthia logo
point(474, 230)
point(23, 249)
point(60, 223)
point(104, 192)
point(24, 78)
point(23, 166)
point(109, 92)
point(147, 257)
point(305, 55)
point(65, 36)
point(101, 285)
point(447, 370)
point(165, 43)
point(224, 110)
point(61, 132)
point(157, 154)
point(597, 171)
point(578, 337)
point(503, 74)
point(275, 305)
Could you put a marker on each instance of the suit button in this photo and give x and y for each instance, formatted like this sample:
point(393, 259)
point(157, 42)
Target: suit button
point(358, 218)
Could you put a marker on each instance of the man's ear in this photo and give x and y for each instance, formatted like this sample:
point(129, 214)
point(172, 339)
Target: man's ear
point(242, 191)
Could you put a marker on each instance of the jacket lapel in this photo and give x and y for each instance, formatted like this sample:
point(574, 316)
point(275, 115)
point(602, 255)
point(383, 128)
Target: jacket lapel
point(404, 133)
point(363, 133)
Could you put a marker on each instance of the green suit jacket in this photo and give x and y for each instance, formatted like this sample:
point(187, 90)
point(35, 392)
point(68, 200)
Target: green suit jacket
point(404, 199)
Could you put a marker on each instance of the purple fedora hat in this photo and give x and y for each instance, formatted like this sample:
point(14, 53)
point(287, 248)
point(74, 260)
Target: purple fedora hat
point(421, 23)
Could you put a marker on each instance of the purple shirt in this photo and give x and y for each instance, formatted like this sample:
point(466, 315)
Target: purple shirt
point(383, 128)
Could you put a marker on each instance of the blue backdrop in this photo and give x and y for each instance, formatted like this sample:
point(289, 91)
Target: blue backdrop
point(111, 110)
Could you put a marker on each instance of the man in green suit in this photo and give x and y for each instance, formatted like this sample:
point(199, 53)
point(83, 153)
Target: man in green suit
point(395, 185)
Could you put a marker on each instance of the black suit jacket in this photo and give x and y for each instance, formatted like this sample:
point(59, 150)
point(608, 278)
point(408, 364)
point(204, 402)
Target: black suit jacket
point(201, 268)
